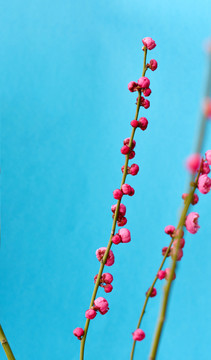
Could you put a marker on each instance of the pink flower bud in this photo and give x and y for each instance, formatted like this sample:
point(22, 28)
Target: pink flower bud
point(143, 123)
point(123, 168)
point(138, 335)
point(78, 332)
point(207, 108)
point(147, 92)
point(107, 278)
point(143, 82)
point(153, 64)
point(191, 222)
point(146, 104)
point(122, 221)
point(100, 253)
point(168, 273)
point(205, 168)
point(117, 194)
point(193, 162)
point(122, 209)
point(132, 86)
point(182, 243)
point(179, 254)
point(194, 200)
point(127, 141)
point(132, 192)
point(116, 239)
point(90, 314)
point(161, 274)
point(208, 156)
point(204, 184)
point(134, 123)
point(149, 43)
point(125, 150)
point(126, 189)
point(134, 169)
point(169, 229)
point(131, 154)
point(125, 235)
point(178, 233)
point(164, 249)
point(153, 292)
point(108, 288)
point(101, 305)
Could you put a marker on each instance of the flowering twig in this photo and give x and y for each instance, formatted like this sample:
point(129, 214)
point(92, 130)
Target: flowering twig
point(6, 345)
point(104, 254)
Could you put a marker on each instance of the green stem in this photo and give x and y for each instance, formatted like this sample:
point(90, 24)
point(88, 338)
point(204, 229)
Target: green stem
point(114, 220)
point(6, 345)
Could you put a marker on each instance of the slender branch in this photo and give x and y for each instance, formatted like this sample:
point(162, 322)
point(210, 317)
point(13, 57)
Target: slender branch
point(6, 345)
point(115, 218)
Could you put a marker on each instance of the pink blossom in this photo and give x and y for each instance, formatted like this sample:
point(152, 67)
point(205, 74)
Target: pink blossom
point(143, 82)
point(149, 43)
point(127, 189)
point(208, 156)
point(168, 274)
point(125, 150)
point(107, 278)
point(134, 169)
point(134, 123)
point(123, 168)
point(131, 154)
point(195, 198)
point(138, 335)
point(127, 141)
point(207, 108)
point(204, 184)
point(146, 104)
point(125, 235)
point(122, 221)
point(108, 288)
point(153, 64)
point(143, 123)
point(147, 92)
point(153, 292)
point(161, 274)
point(117, 194)
point(90, 314)
point(205, 168)
point(101, 305)
point(193, 162)
point(164, 249)
point(100, 253)
point(169, 229)
point(78, 332)
point(122, 209)
point(191, 222)
point(132, 86)
point(116, 239)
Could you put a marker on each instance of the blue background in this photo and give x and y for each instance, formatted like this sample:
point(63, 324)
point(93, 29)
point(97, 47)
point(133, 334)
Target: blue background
point(65, 106)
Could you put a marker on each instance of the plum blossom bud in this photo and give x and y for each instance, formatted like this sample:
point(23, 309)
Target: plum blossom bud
point(208, 156)
point(193, 162)
point(168, 274)
point(116, 239)
point(117, 194)
point(122, 221)
point(179, 254)
point(123, 168)
point(134, 169)
point(161, 274)
point(195, 198)
point(138, 335)
point(127, 141)
point(144, 82)
point(100, 253)
point(132, 86)
point(164, 249)
point(143, 123)
point(153, 64)
point(125, 150)
point(127, 190)
point(147, 92)
point(207, 108)
point(122, 209)
point(191, 222)
point(146, 104)
point(90, 314)
point(101, 305)
point(125, 235)
point(153, 292)
point(78, 332)
point(134, 123)
point(107, 278)
point(205, 168)
point(178, 233)
point(131, 154)
point(181, 245)
point(169, 229)
point(108, 288)
point(149, 43)
point(204, 184)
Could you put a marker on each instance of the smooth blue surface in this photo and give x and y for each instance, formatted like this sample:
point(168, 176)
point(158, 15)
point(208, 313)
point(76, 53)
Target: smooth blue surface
point(65, 66)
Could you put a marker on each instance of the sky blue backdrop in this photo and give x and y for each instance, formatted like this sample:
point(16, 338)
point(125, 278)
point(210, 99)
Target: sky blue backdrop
point(65, 66)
